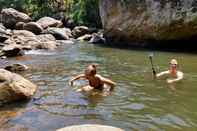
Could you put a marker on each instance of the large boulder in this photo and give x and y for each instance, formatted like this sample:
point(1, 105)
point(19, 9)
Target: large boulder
point(14, 87)
point(59, 33)
point(10, 16)
point(33, 27)
point(46, 22)
point(149, 19)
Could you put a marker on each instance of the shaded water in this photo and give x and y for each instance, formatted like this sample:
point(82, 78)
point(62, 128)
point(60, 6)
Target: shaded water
point(138, 102)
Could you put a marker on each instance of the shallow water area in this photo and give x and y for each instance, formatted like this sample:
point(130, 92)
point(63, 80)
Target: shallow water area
point(138, 102)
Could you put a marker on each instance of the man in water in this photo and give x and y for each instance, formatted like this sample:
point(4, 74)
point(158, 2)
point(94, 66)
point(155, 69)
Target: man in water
point(95, 80)
point(175, 74)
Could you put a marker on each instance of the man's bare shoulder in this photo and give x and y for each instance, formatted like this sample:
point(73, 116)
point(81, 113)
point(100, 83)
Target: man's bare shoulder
point(99, 76)
point(180, 73)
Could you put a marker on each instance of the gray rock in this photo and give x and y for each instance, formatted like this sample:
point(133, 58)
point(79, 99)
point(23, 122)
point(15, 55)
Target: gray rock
point(33, 27)
point(14, 87)
point(10, 17)
point(59, 33)
point(46, 22)
point(19, 25)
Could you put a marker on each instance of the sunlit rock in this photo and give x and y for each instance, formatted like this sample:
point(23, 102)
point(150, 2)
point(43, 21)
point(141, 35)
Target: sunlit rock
point(10, 16)
point(46, 22)
point(33, 27)
point(90, 127)
point(14, 87)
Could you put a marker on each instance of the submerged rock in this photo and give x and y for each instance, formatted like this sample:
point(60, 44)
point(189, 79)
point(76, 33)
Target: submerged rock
point(16, 67)
point(11, 16)
point(14, 87)
point(149, 19)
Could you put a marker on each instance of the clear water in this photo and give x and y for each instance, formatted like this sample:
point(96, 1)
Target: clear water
point(137, 103)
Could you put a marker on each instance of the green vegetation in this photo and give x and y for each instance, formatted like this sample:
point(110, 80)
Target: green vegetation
point(84, 12)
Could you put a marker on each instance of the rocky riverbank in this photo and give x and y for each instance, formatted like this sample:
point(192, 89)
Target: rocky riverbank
point(19, 33)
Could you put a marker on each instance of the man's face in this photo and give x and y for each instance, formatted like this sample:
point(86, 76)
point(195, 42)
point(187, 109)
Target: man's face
point(173, 66)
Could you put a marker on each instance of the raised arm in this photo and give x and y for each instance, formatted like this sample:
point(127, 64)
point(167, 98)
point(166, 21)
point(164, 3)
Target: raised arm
point(108, 82)
point(179, 77)
point(76, 78)
point(162, 73)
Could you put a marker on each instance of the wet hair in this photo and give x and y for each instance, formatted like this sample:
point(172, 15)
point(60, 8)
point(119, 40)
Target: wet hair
point(91, 69)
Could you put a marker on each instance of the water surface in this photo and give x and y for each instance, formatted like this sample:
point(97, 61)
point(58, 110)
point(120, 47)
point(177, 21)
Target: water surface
point(137, 103)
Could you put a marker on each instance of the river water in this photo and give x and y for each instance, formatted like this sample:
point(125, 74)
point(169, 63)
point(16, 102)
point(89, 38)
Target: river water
point(138, 102)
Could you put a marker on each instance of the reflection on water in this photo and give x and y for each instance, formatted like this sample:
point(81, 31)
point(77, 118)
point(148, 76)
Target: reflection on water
point(138, 102)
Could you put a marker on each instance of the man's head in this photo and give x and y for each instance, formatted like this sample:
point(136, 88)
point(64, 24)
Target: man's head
point(173, 64)
point(90, 70)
